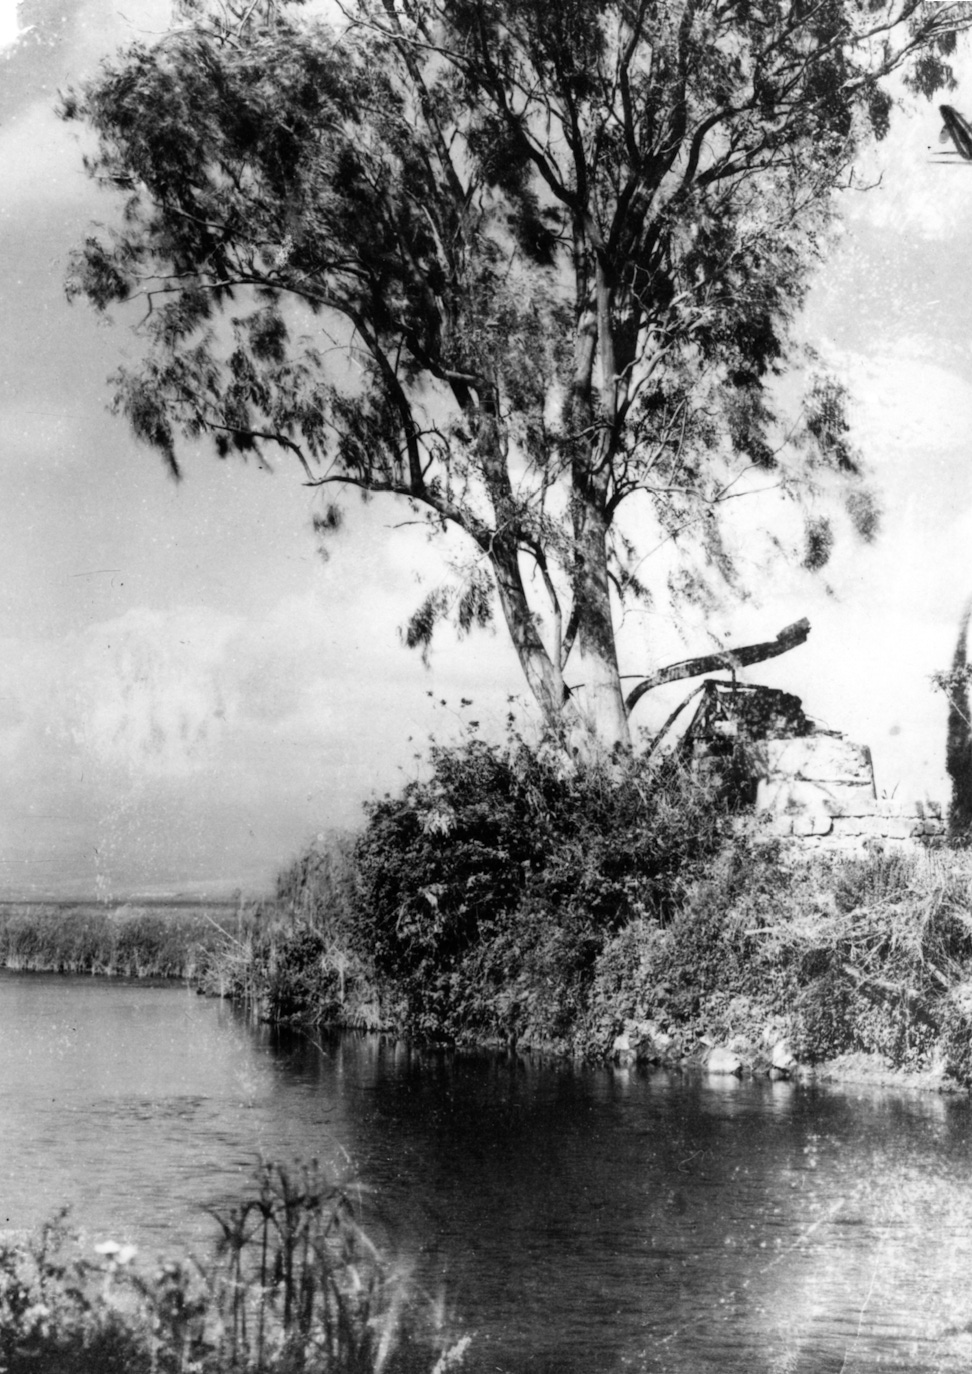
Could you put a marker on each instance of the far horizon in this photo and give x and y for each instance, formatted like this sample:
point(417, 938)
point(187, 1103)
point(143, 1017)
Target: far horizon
point(174, 899)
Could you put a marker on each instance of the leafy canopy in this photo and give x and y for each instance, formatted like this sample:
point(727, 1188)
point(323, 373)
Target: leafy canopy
point(532, 266)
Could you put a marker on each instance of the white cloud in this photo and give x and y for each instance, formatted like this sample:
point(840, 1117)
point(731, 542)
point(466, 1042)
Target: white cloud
point(38, 164)
point(10, 29)
point(156, 746)
point(913, 419)
point(145, 692)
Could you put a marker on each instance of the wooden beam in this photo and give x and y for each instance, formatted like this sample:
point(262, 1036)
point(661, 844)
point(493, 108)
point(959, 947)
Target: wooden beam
point(727, 660)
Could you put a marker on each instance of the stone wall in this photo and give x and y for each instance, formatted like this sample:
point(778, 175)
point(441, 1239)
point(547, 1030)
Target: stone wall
point(819, 789)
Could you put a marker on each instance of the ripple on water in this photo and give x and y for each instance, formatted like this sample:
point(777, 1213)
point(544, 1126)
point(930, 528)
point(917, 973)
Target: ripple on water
point(576, 1220)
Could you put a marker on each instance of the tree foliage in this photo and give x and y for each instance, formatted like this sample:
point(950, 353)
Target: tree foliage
point(530, 267)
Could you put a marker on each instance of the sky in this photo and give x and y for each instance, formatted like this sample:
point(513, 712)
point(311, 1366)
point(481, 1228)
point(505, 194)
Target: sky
point(190, 693)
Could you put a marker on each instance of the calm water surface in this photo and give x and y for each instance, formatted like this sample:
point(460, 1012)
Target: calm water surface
point(577, 1220)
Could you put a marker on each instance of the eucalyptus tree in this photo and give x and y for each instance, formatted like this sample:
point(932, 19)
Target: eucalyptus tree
point(531, 267)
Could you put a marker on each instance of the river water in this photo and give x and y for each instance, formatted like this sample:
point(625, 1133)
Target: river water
point(576, 1220)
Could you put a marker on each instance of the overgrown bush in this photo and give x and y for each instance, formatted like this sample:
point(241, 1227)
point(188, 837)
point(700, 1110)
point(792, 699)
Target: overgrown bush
point(486, 892)
point(849, 954)
point(838, 955)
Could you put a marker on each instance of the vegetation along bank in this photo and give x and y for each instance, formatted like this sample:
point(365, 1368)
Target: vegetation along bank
point(509, 900)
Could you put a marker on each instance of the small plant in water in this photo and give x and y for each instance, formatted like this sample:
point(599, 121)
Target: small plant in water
point(294, 1286)
point(299, 1283)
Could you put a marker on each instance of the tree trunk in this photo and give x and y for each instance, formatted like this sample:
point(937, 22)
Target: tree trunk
point(542, 674)
point(958, 750)
point(501, 546)
point(598, 694)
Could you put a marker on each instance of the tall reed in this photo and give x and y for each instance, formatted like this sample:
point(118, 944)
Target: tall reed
point(301, 963)
point(120, 941)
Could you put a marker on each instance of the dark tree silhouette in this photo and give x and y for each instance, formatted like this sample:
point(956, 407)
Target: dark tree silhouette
point(530, 267)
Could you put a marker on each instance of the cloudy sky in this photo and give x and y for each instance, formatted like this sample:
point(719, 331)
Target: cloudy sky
point(188, 693)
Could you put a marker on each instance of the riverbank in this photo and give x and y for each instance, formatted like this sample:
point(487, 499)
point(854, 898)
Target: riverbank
point(622, 913)
point(617, 912)
point(842, 969)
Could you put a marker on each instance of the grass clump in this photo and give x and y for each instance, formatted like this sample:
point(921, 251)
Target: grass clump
point(293, 1285)
point(869, 955)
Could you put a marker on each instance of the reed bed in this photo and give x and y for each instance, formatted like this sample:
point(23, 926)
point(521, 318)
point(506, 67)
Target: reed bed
point(130, 940)
point(302, 962)
point(289, 972)
point(293, 1285)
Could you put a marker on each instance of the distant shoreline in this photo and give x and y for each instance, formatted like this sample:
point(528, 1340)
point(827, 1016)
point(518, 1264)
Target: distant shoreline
point(114, 903)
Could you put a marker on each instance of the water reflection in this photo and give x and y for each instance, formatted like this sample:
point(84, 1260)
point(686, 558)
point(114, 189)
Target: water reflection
point(577, 1219)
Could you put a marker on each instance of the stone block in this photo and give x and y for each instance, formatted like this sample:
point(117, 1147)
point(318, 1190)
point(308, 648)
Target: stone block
point(782, 1057)
point(848, 799)
point(850, 826)
point(655, 1046)
point(815, 758)
point(796, 795)
point(720, 1060)
point(898, 828)
point(872, 827)
point(780, 826)
point(771, 796)
point(789, 795)
point(813, 822)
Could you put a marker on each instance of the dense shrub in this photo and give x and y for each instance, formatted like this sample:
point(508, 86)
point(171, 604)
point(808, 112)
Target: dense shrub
point(838, 955)
point(854, 954)
point(486, 892)
point(295, 975)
